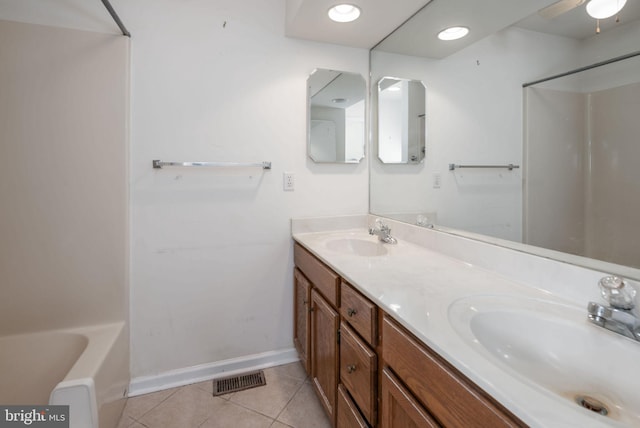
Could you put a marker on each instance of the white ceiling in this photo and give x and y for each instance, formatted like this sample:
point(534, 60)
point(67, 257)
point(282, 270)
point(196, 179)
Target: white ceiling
point(308, 19)
point(325, 86)
point(577, 24)
point(418, 37)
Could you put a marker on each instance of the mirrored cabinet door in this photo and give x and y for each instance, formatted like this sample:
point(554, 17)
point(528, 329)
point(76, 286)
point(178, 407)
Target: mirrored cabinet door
point(402, 131)
point(336, 116)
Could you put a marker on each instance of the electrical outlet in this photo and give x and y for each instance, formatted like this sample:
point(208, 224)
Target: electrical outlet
point(437, 180)
point(288, 181)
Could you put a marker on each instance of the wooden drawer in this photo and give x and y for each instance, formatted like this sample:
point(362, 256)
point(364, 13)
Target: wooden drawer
point(358, 371)
point(348, 414)
point(451, 398)
point(359, 311)
point(324, 279)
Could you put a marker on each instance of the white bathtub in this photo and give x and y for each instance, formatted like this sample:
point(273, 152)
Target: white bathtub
point(86, 368)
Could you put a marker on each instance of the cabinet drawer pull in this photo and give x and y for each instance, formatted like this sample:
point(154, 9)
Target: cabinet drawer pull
point(351, 312)
point(351, 368)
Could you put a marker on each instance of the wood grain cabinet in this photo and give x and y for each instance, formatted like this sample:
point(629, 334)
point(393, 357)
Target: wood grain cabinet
point(358, 372)
point(359, 312)
point(302, 317)
point(446, 394)
point(369, 371)
point(348, 414)
point(358, 359)
point(323, 323)
point(399, 408)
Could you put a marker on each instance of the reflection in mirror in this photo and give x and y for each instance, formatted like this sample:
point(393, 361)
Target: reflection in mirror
point(401, 120)
point(479, 114)
point(581, 135)
point(336, 112)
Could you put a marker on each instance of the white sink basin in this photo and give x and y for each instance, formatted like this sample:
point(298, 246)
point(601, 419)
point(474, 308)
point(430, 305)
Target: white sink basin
point(555, 349)
point(356, 246)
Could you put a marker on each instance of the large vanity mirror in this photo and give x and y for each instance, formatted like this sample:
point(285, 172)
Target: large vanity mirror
point(336, 116)
point(547, 168)
point(401, 114)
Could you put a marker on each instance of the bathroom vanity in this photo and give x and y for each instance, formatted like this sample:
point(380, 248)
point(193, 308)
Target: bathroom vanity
point(340, 336)
point(400, 335)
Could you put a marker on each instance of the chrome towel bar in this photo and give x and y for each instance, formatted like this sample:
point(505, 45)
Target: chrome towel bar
point(510, 167)
point(159, 164)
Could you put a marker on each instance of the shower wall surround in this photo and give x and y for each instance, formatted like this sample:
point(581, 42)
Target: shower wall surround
point(585, 143)
point(63, 179)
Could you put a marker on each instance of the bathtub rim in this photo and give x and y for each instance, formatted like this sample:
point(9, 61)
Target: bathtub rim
point(80, 386)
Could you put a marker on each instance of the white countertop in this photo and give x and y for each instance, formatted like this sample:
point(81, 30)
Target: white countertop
point(416, 285)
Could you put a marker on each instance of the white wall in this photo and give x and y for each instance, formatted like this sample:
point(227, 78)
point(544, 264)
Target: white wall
point(327, 134)
point(211, 251)
point(390, 130)
point(64, 98)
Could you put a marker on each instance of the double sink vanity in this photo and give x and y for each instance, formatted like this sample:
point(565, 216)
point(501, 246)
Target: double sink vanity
point(441, 330)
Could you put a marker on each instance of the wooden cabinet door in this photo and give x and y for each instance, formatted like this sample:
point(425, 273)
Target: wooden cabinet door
point(301, 317)
point(348, 414)
point(399, 408)
point(325, 322)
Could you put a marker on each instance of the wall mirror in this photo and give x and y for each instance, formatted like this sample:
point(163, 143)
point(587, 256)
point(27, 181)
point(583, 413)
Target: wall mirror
point(401, 120)
point(572, 192)
point(336, 116)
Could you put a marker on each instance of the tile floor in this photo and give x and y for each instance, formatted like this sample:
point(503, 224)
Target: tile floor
point(287, 400)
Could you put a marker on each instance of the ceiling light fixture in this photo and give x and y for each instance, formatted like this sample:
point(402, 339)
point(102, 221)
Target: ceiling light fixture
point(602, 9)
point(344, 13)
point(453, 33)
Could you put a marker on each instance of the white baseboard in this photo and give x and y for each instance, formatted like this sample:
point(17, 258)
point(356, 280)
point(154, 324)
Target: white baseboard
point(200, 373)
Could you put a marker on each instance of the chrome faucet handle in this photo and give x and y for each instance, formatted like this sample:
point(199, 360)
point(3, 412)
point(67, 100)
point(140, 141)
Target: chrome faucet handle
point(379, 226)
point(383, 231)
point(616, 291)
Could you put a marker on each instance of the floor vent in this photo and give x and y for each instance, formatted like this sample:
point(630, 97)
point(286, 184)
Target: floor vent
point(238, 383)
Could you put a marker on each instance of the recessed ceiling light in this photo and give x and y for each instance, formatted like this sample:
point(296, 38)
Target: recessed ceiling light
point(453, 33)
point(344, 13)
point(602, 9)
point(339, 100)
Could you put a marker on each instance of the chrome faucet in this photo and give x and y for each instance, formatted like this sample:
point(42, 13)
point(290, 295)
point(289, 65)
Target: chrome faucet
point(383, 231)
point(620, 317)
